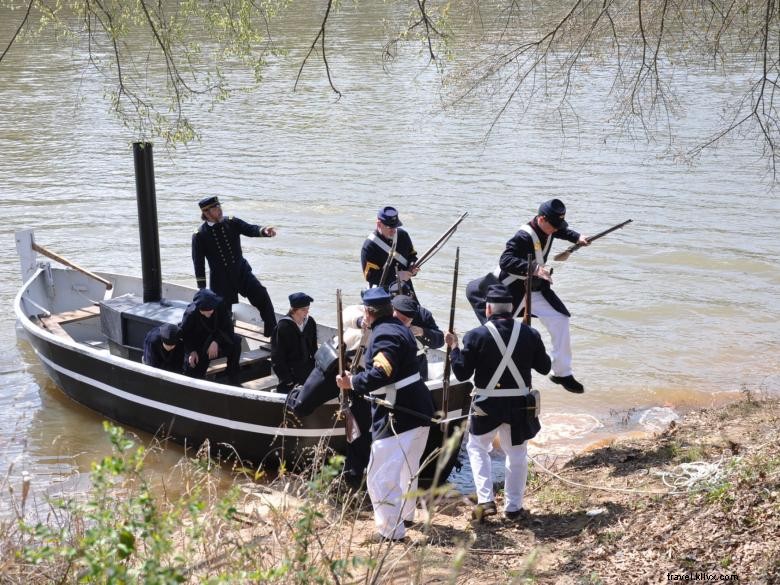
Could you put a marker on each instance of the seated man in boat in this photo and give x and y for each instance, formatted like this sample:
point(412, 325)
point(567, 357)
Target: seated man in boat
point(164, 349)
point(423, 326)
point(218, 240)
point(294, 344)
point(207, 333)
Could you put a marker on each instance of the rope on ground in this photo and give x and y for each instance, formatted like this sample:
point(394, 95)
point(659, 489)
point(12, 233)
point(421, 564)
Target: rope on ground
point(607, 488)
point(688, 475)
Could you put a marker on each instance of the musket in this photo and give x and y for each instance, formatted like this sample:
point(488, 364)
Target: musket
point(439, 244)
point(351, 428)
point(445, 381)
point(388, 262)
point(396, 408)
point(529, 279)
point(568, 251)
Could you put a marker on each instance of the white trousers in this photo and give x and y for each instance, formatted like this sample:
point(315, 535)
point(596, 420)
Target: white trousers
point(391, 475)
point(557, 325)
point(516, 462)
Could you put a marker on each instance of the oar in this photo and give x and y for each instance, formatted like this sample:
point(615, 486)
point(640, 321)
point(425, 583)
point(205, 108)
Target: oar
point(568, 251)
point(76, 267)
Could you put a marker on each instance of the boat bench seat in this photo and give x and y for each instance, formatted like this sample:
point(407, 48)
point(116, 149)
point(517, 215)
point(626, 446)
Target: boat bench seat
point(54, 323)
point(250, 331)
point(247, 358)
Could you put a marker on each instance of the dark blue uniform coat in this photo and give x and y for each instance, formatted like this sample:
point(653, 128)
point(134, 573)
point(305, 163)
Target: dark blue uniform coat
point(391, 355)
point(514, 260)
point(157, 356)
point(197, 333)
point(229, 272)
point(373, 258)
point(480, 357)
point(292, 352)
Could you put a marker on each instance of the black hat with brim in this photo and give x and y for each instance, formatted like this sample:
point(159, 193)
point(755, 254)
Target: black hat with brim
point(405, 305)
point(299, 300)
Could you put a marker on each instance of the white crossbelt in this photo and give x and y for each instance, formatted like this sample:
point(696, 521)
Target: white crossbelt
point(538, 256)
point(389, 391)
point(379, 242)
point(507, 363)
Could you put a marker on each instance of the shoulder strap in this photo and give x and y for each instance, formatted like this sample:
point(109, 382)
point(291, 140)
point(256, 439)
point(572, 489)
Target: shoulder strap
point(506, 351)
point(382, 245)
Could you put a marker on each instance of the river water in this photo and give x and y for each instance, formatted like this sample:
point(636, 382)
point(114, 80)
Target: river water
point(678, 310)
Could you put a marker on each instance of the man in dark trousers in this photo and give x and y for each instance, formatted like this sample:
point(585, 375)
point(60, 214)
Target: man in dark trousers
point(164, 349)
point(500, 355)
point(294, 343)
point(536, 238)
point(207, 334)
point(218, 240)
point(422, 325)
point(398, 438)
point(377, 246)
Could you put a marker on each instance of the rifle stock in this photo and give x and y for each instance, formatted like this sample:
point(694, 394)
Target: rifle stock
point(561, 256)
point(351, 428)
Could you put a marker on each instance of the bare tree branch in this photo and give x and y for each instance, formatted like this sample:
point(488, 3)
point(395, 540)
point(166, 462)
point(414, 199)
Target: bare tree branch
point(321, 37)
point(18, 30)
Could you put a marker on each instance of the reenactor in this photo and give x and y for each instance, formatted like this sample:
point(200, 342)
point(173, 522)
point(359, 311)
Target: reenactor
point(536, 238)
point(163, 348)
point(500, 355)
point(377, 246)
point(218, 240)
point(294, 343)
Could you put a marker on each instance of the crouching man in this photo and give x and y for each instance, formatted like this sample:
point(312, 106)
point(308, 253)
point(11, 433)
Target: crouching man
point(500, 355)
point(207, 334)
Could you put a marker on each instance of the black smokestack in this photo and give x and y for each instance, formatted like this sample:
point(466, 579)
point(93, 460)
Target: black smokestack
point(147, 221)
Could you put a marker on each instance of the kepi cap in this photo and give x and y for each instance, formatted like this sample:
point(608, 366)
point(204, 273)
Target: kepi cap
point(405, 305)
point(208, 202)
point(170, 333)
point(299, 300)
point(376, 297)
point(389, 217)
point(206, 299)
point(554, 211)
point(498, 293)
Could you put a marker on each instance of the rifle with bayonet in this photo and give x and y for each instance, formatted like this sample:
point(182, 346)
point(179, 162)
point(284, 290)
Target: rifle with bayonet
point(445, 381)
point(352, 430)
point(389, 261)
point(561, 256)
point(438, 244)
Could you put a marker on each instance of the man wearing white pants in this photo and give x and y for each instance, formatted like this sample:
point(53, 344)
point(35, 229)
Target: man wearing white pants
point(535, 239)
point(500, 355)
point(398, 436)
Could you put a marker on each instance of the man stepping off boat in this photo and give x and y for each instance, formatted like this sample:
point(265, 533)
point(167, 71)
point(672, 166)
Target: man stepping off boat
point(207, 334)
point(218, 240)
point(378, 270)
point(535, 238)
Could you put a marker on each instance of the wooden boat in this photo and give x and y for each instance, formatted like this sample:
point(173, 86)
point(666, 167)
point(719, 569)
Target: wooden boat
point(90, 338)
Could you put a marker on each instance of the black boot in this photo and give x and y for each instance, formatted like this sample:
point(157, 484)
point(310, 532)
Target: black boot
point(569, 383)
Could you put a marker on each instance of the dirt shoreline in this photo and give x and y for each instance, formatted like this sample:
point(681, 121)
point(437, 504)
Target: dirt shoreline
point(720, 519)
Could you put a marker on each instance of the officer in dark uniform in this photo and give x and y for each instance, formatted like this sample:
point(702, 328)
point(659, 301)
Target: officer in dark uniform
point(207, 333)
point(377, 247)
point(500, 355)
point(398, 438)
point(294, 343)
point(163, 348)
point(218, 240)
point(422, 325)
point(536, 238)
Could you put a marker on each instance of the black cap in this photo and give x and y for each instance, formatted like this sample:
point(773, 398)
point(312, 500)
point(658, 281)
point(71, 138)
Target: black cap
point(376, 297)
point(170, 333)
point(208, 202)
point(554, 211)
point(389, 217)
point(299, 300)
point(206, 299)
point(405, 305)
point(498, 293)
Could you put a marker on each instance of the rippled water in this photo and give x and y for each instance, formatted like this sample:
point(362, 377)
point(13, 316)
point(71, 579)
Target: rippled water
point(678, 310)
